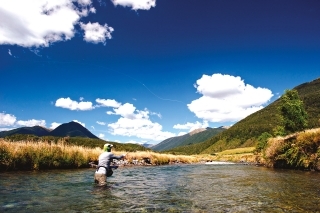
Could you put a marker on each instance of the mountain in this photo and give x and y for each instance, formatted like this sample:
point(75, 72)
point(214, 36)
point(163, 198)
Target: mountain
point(147, 145)
point(245, 132)
point(36, 130)
point(71, 129)
point(196, 136)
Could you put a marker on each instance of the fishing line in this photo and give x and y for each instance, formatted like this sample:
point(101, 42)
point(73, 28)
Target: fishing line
point(111, 70)
point(104, 68)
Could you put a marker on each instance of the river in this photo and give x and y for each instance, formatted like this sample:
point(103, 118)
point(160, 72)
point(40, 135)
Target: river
point(171, 188)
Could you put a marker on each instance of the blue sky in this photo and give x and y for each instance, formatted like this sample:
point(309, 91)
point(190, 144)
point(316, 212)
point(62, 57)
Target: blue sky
point(145, 70)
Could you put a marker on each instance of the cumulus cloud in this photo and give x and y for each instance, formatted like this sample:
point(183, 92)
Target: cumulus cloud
point(227, 98)
point(136, 123)
point(7, 119)
point(136, 4)
point(32, 122)
point(101, 123)
point(108, 103)
point(192, 126)
point(67, 103)
point(54, 125)
point(11, 120)
point(95, 33)
point(38, 23)
point(101, 135)
point(83, 124)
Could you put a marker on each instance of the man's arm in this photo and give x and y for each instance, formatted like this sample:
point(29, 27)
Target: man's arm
point(118, 157)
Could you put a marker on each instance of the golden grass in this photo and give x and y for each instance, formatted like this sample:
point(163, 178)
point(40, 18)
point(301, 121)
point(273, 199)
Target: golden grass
point(160, 159)
point(26, 155)
point(237, 151)
point(43, 155)
point(298, 150)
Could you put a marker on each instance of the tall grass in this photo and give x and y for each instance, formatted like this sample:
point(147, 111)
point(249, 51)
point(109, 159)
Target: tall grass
point(26, 155)
point(43, 155)
point(298, 150)
point(161, 159)
point(30, 155)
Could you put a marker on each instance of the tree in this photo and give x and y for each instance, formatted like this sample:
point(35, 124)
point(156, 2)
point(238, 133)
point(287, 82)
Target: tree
point(294, 116)
point(263, 141)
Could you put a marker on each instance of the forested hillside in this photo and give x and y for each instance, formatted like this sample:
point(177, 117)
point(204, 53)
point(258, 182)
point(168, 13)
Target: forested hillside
point(245, 132)
point(187, 139)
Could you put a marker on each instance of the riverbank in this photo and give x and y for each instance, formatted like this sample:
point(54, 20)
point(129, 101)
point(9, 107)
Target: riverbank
point(300, 150)
point(26, 155)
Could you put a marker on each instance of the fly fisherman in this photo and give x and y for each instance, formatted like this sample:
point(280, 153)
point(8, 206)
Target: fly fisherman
point(104, 169)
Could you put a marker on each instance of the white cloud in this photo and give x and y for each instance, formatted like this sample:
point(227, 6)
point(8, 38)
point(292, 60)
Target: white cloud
point(182, 133)
point(108, 103)
point(101, 123)
point(73, 105)
point(126, 110)
point(79, 123)
point(227, 98)
point(5, 129)
point(7, 119)
point(92, 127)
point(38, 23)
point(136, 4)
point(54, 125)
point(95, 33)
point(92, 10)
point(101, 135)
point(136, 123)
point(157, 114)
point(192, 126)
point(135, 142)
point(32, 122)
point(9, 52)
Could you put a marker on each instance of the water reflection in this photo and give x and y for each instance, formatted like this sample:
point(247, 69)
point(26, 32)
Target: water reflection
point(176, 188)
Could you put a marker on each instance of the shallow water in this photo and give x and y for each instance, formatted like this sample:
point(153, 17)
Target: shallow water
point(174, 188)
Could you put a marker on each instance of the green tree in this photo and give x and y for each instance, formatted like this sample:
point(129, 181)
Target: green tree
point(294, 116)
point(263, 141)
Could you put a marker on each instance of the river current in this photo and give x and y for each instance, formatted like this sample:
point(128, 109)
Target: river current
point(172, 188)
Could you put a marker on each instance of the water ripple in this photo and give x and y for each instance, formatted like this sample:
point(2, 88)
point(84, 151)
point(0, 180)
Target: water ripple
point(175, 188)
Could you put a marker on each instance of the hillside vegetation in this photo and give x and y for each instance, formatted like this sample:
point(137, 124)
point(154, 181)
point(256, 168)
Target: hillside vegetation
point(299, 150)
point(187, 139)
point(245, 132)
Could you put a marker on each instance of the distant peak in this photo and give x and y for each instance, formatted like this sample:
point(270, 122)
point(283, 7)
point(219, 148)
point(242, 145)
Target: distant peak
point(197, 131)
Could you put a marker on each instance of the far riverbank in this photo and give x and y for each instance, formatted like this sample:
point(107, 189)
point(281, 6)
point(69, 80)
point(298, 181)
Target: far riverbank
point(26, 155)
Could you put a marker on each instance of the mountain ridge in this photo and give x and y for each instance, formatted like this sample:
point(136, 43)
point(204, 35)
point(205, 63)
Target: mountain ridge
point(195, 136)
point(71, 129)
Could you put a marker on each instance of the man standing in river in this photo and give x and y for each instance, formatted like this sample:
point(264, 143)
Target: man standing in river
point(104, 168)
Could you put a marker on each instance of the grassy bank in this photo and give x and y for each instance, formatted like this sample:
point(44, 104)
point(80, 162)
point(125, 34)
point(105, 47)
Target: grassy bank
point(236, 155)
point(42, 155)
point(39, 155)
point(300, 150)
